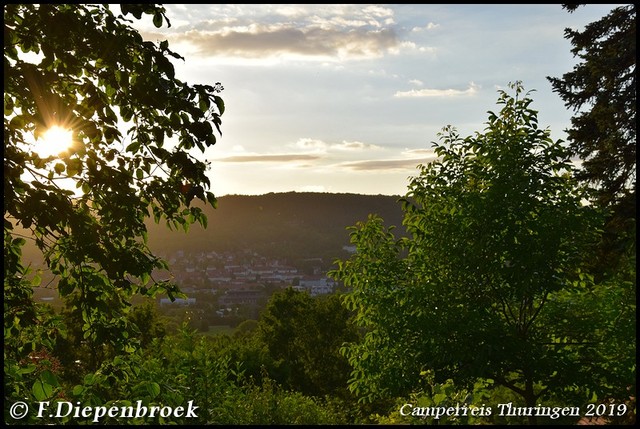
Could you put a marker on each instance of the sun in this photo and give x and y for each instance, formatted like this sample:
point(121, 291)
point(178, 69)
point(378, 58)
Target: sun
point(54, 141)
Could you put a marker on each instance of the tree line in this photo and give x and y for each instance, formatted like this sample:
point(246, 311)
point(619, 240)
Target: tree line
point(291, 225)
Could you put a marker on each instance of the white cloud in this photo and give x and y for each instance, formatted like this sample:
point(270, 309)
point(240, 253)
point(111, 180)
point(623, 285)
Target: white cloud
point(428, 153)
point(300, 31)
point(319, 146)
point(279, 158)
point(430, 26)
point(310, 144)
point(355, 145)
point(470, 91)
point(406, 46)
point(382, 165)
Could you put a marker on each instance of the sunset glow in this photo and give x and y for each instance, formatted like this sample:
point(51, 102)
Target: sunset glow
point(55, 141)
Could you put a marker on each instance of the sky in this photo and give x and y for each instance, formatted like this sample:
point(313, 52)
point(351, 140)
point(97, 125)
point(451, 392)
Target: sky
point(350, 98)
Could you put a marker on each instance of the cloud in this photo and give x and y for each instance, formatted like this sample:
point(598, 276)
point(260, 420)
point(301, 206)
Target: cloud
point(413, 157)
point(384, 164)
point(410, 47)
point(428, 27)
point(470, 91)
point(268, 158)
point(429, 153)
point(355, 145)
point(273, 31)
point(323, 147)
point(311, 144)
point(258, 41)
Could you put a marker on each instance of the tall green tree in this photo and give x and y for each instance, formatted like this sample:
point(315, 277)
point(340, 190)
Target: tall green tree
point(490, 284)
point(136, 130)
point(303, 336)
point(601, 90)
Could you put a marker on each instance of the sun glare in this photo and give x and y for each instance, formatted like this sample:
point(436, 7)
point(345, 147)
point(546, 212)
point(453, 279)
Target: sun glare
point(54, 141)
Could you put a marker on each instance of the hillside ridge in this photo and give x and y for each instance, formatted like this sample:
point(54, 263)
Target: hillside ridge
point(286, 225)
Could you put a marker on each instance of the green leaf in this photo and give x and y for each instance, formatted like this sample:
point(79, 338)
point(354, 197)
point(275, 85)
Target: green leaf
point(219, 102)
point(18, 242)
point(439, 398)
point(133, 147)
point(27, 369)
point(35, 281)
point(153, 388)
point(65, 287)
point(157, 19)
point(42, 390)
point(59, 168)
point(48, 377)
point(74, 166)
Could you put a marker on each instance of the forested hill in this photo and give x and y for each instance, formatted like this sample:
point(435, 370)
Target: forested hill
point(290, 225)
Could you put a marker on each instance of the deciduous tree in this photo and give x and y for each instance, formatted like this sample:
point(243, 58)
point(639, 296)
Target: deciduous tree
point(491, 282)
point(303, 336)
point(136, 131)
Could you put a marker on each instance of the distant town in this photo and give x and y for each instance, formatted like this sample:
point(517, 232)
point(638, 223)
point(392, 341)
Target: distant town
point(242, 282)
